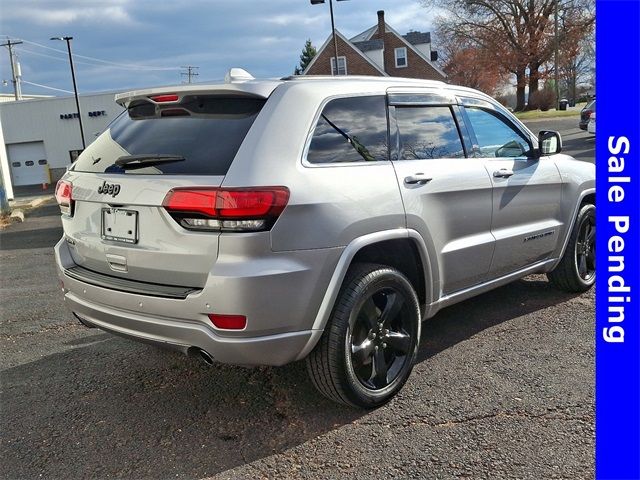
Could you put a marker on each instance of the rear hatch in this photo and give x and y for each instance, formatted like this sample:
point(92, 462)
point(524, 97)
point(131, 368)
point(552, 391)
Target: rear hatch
point(116, 223)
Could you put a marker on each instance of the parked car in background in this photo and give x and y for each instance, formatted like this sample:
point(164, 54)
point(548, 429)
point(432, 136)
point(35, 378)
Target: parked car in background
point(591, 126)
point(320, 218)
point(585, 113)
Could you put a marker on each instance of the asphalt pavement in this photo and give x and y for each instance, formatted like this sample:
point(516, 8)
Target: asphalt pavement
point(575, 142)
point(503, 388)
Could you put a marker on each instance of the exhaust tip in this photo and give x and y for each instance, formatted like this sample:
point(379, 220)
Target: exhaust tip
point(206, 358)
point(201, 354)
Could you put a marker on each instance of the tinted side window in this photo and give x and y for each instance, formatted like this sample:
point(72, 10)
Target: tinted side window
point(428, 133)
point(495, 137)
point(351, 130)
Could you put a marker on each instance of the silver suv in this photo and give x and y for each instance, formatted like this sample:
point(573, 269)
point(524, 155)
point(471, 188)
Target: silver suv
point(264, 222)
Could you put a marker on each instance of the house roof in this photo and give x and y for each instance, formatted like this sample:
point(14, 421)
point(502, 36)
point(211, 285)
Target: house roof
point(369, 45)
point(418, 38)
point(354, 47)
point(363, 43)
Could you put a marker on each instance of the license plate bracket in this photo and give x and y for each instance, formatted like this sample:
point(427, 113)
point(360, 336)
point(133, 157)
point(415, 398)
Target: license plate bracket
point(119, 225)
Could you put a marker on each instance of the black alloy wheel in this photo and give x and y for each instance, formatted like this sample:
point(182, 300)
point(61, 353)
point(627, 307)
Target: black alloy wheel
point(380, 339)
point(369, 345)
point(585, 251)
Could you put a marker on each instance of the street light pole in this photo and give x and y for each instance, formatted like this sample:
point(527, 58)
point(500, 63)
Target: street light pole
point(555, 57)
point(75, 88)
point(335, 38)
point(333, 28)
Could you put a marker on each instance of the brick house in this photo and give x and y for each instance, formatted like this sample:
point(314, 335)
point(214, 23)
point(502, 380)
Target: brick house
point(380, 51)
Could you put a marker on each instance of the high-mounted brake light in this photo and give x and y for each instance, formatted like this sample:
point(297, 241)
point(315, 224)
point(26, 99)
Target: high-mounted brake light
point(165, 98)
point(64, 197)
point(227, 209)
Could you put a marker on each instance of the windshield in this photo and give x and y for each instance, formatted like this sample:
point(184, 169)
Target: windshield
point(198, 136)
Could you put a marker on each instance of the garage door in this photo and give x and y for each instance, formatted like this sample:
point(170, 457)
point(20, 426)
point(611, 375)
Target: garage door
point(28, 163)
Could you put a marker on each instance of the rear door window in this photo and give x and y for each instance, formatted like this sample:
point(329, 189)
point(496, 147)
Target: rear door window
point(427, 133)
point(351, 130)
point(199, 136)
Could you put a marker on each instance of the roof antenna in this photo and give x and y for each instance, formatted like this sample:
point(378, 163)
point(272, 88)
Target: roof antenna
point(238, 75)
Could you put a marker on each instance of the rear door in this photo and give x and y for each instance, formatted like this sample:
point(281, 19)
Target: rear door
point(447, 196)
point(526, 192)
point(118, 225)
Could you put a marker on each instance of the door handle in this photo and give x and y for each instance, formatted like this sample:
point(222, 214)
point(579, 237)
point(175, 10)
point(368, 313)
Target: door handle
point(503, 173)
point(417, 179)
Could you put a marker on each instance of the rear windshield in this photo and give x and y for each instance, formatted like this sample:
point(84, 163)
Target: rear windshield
point(199, 136)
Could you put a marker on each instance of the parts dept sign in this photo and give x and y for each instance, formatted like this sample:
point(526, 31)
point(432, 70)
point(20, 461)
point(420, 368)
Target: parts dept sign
point(95, 113)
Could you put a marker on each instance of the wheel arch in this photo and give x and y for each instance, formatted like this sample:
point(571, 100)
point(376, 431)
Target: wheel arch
point(586, 196)
point(376, 248)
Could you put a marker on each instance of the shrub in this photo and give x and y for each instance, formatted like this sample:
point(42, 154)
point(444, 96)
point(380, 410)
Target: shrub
point(542, 99)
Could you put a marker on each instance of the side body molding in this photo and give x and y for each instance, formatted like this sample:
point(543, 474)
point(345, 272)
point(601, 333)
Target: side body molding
point(430, 275)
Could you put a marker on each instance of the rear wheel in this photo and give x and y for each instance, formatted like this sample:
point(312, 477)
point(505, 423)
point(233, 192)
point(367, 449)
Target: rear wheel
point(369, 345)
point(576, 271)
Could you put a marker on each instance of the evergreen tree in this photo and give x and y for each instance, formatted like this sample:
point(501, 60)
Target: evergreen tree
point(308, 52)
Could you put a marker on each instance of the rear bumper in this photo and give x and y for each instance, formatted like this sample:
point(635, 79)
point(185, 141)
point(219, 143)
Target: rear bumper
point(185, 336)
point(280, 296)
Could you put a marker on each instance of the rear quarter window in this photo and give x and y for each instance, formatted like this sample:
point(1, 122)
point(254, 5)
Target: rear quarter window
point(351, 130)
point(204, 131)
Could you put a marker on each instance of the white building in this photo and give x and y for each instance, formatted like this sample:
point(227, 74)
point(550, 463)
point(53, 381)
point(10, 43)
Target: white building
point(40, 138)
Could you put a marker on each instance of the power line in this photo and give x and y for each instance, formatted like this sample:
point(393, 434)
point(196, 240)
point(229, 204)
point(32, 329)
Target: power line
point(60, 59)
point(45, 86)
point(191, 72)
point(129, 66)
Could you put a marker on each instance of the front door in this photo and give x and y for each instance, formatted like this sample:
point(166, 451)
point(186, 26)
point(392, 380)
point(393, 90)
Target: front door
point(526, 192)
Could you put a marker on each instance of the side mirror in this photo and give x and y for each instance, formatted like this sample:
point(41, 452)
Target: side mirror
point(549, 142)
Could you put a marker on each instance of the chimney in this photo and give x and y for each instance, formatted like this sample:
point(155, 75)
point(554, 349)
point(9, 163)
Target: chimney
point(381, 26)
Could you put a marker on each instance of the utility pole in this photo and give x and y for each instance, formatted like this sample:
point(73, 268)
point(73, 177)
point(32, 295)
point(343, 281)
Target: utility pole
point(14, 76)
point(190, 73)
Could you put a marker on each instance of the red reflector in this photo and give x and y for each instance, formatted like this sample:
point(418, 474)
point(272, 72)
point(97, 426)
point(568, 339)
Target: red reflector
point(228, 322)
point(165, 98)
point(63, 192)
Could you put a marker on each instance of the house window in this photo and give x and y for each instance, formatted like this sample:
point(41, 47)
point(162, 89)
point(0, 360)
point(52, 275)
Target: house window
point(401, 57)
point(342, 65)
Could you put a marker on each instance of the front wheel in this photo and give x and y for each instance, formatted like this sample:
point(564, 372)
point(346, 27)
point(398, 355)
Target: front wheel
point(369, 345)
point(576, 271)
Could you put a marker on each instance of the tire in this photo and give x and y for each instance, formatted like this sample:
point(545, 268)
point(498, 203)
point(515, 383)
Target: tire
point(369, 345)
point(571, 274)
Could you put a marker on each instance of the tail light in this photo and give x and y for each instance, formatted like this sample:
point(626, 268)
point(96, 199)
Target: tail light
point(227, 209)
point(64, 197)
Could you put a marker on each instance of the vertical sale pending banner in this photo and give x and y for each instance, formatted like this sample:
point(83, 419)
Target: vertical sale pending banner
point(618, 239)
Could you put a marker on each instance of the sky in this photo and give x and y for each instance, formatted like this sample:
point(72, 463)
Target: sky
point(143, 43)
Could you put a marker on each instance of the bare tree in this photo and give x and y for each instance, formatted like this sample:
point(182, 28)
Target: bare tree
point(518, 33)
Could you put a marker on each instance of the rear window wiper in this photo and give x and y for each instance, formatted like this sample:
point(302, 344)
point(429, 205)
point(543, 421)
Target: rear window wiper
point(132, 162)
point(353, 141)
